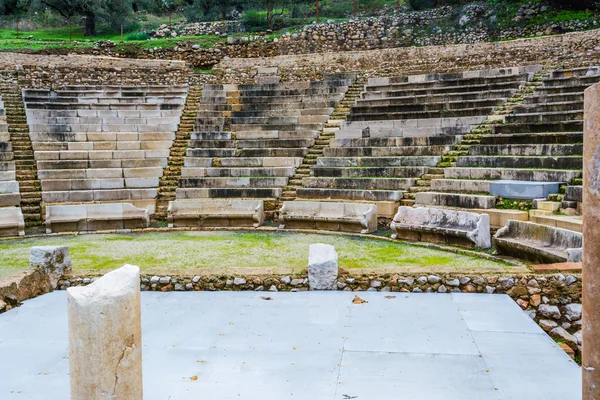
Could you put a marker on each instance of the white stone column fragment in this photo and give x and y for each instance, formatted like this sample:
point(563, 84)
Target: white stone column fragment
point(322, 267)
point(105, 337)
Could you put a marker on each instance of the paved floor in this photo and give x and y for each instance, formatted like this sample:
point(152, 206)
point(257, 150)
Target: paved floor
point(307, 346)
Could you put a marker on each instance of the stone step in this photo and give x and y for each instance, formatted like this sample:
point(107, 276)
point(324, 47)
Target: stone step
point(455, 200)
point(201, 193)
point(385, 151)
point(349, 194)
point(382, 183)
point(234, 182)
point(467, 112)
point(378, 161)
point(438, 98)
point(537, 138)
point(427, 141)
point(366, 172)
point(533, 118)
point(541, 162)
point(237, 172)
point(527, 150)
point(539, 175)
point(428, 105)
point(546, 127)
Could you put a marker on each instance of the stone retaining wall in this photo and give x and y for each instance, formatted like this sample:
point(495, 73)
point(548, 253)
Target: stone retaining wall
point(37, 71)
point(573, 49)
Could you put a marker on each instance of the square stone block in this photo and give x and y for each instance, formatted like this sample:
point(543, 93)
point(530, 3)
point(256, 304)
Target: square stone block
point(523, 189)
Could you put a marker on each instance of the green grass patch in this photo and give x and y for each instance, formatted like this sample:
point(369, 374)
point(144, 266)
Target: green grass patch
point(226, 251)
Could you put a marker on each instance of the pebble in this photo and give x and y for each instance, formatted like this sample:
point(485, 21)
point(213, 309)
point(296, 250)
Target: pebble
point(165, 280)
point(239, 281)
point(454, 282)
point(549, 311)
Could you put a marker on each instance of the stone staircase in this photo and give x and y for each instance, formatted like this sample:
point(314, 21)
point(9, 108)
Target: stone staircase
point(337, 117)
point(26, 169)
point(249, 139)
point(536, 150)
point(172, 173)
point(389, 148)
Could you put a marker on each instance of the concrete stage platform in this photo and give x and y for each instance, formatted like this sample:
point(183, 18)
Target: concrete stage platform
point(307, 346)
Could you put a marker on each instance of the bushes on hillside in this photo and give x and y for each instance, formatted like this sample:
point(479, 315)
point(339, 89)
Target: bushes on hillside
point(255, 20)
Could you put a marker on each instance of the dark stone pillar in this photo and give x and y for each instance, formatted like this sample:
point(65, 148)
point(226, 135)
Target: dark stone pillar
point(591, 245)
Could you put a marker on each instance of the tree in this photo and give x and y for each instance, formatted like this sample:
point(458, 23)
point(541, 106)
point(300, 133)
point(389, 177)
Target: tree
point(70, 8)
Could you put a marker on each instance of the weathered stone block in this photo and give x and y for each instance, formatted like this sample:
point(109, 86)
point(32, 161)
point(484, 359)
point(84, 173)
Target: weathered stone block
point(105, 326)
point(523, 189)
point(54, 260)
point(322, 267)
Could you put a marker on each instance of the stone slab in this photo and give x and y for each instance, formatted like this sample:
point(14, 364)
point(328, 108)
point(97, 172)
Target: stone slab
point(523, 189)
point(437, 346)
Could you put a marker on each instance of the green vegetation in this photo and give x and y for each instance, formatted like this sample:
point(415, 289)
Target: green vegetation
point(230, 251)
point(58, 38)
point(508, 204)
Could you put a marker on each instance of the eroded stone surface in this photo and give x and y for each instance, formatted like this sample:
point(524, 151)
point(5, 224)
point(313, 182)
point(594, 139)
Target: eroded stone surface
point(322, 267)
point(54, 260)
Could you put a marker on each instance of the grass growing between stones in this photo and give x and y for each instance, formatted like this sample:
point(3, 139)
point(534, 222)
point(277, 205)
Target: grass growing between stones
point(228, 252)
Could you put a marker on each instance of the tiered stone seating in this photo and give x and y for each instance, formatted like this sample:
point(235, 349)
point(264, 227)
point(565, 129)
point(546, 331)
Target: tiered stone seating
point(400, 128)
point(250, 139)
point(103, 144)
point(9, 187)
point(537, 149)
point(11, 217)
point(538, 243)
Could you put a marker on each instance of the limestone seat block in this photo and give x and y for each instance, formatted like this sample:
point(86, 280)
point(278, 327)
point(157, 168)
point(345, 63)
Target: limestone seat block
point(93, 217)
point(442, 225)
point(322, 267)
point(350, 217)
point(105, 337)
point(539, 243)
point(223, 212)
point(12, 222)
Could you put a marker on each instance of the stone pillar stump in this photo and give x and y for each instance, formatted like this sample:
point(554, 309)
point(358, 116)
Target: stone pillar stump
point(105, 337)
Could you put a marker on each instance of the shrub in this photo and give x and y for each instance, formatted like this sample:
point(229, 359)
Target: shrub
point(255, 20)
point(137, 36)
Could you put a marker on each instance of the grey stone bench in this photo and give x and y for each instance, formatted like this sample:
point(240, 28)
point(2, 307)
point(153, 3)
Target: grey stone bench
point(348, 217)
point(442, 225)
point(538, 243)
point(216, 213)
point(95, 217)
point(12, 222)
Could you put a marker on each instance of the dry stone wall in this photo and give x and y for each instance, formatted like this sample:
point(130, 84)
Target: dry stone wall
point(39, 71)
point(573, 49)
